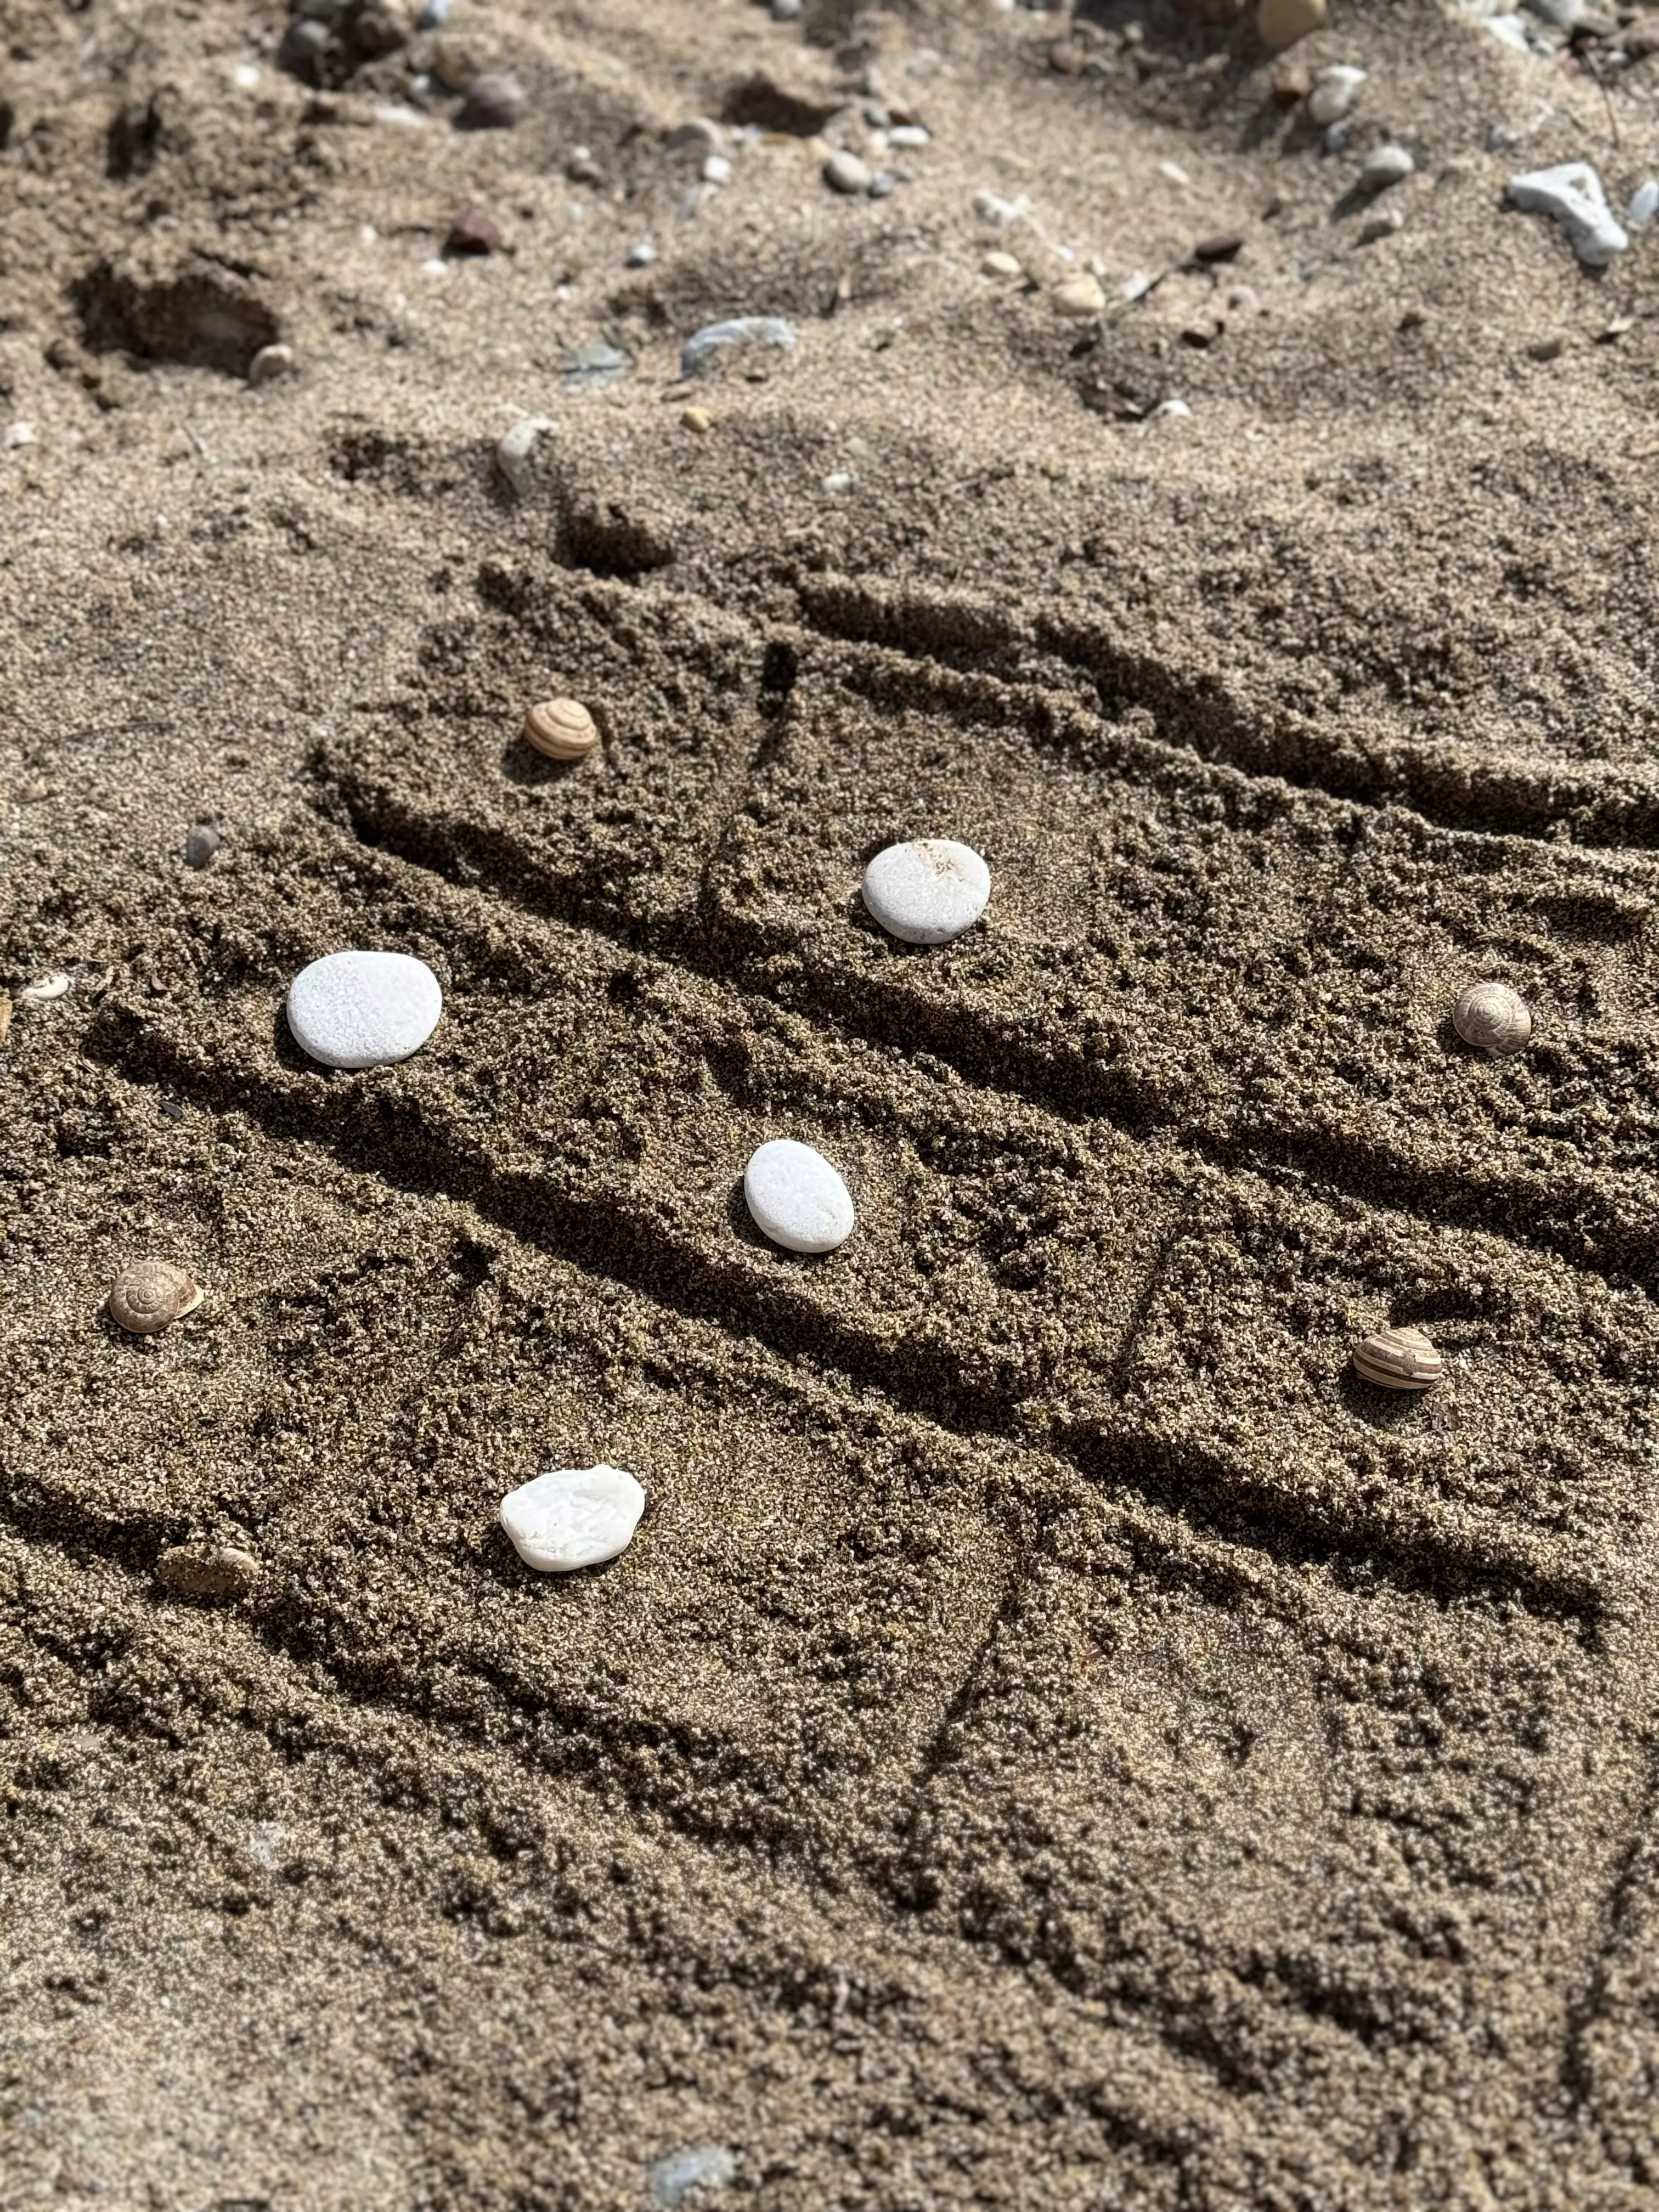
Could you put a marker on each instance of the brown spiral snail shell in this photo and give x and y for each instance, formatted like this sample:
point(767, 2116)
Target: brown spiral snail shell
point(1398, 1360)
point(560, 730)
point(151, 1294)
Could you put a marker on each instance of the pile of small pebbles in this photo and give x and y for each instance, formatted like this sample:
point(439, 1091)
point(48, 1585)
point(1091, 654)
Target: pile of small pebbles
point(926, 890)
point(357, 1010)
point(560, 730)
point(796, 1198)
point(1572, 193)
point(572, 1518)
point(1398, 1360)
point(151, 1295)
point(494, 102)
point(1492, 1018)
point(215, 1574)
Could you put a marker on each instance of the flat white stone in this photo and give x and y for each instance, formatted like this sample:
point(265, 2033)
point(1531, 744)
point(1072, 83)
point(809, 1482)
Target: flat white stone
point(363, 1009)
point(1572, 193)
point(929, 890)
point(573, 1516)
point(796, 1197)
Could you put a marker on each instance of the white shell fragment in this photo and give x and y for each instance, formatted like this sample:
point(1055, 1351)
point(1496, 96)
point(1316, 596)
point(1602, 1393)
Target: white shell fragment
point(514, 453)
point(796, 1198)
point(927, 890)
point(363, 1009)
point(573, 1516)
point(53, 985)
point(1572, 193)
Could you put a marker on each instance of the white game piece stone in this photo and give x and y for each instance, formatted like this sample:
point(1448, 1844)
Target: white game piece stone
point(929, 890)
point(796, 1197)
point(573, 1516)
point(363, 1009)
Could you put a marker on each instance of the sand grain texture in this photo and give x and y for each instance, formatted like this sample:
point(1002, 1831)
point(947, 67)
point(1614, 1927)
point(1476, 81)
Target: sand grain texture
point(1058, 1738)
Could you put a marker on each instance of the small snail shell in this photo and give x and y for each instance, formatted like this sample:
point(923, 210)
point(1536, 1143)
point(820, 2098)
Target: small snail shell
point(563, 729)
point(1492, 1017)
point(1399, 1360)
point(151, 1294)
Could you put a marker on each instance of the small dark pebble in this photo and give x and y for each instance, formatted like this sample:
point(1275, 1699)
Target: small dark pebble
point(219, 1573)
point(200, 846)
point(171, 1110)
point(301, 51)
point(494, 102)
point(472, 232)
point(1221, 245)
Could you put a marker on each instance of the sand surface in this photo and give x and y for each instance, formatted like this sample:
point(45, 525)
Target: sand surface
point(1057, 1740)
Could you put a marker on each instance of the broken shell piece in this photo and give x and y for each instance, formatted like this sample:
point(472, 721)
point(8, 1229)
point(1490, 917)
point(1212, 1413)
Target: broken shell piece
point(53, 985)
point(151, 1294)
point(1398, 1360)
point(217, 1573)
point(573, 1516)
point(560, 730)
point(512, 453)
point(1492, 1017)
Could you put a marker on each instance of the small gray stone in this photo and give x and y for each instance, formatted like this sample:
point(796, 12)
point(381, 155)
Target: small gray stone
point(303, 46)
point(270, 362)
point(698, 135)
point(742, 330)
point(699, 2165)
point(786, 11)
point(1381, 226)
point(846, 172)
point(882, 184)
point(1643, 205)
point(592, 367)
point(200, 845)
point(433, 16)
point(494, 102)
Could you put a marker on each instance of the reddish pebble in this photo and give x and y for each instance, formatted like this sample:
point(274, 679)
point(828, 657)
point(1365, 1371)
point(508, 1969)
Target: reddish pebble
point(495, 101)
point(472, 232)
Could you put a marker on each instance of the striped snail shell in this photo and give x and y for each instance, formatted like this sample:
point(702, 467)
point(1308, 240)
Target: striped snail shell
point(1492, 1017)
point(151, 1294)
point(1398, 1360)
point(562, 730)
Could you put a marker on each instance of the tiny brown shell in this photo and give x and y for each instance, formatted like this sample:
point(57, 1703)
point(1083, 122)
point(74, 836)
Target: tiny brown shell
point(561, 729)
point(1492, 1017)
point(219, 1573)
point(1398, 1360)
point(151, 1294)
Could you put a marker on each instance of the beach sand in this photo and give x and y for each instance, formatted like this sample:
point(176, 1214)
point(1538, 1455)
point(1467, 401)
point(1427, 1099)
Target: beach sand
point(1057, 1739)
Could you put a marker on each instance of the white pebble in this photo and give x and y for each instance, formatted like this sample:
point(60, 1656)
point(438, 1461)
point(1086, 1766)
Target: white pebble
point(245, 76)
point(1390, 164)
point(1174, 172)
point(1572, 193)
point(514, 450)
point(1335, 93)
point(363, 1009)
point(717, 170)
point(18, 433)
point(1643, 205)
point(908, 134)
point(846, 172)
point(796, 1197)
point(927, 890)
point(837, 483)
point(642, 255)
point(573, 1516)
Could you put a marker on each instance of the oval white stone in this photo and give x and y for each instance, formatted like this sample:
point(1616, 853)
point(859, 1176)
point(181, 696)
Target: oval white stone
point(796, 1197)
point(573, 1516)
point(929, 890)
point(363, 1009)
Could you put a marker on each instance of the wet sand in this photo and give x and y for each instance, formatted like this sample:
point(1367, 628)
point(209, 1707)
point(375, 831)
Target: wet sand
point(1057, 1739)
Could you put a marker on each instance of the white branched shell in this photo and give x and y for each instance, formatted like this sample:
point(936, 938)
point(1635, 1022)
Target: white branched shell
point(151, 1294)
point(1399, 1360)
point(1492, 1017)
point(561, 729)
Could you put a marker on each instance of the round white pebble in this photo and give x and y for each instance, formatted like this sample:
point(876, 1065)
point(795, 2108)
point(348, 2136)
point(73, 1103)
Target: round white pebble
point(363, 1009)
point(573, 1516)
point(929, 890)
point(796, 1197)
